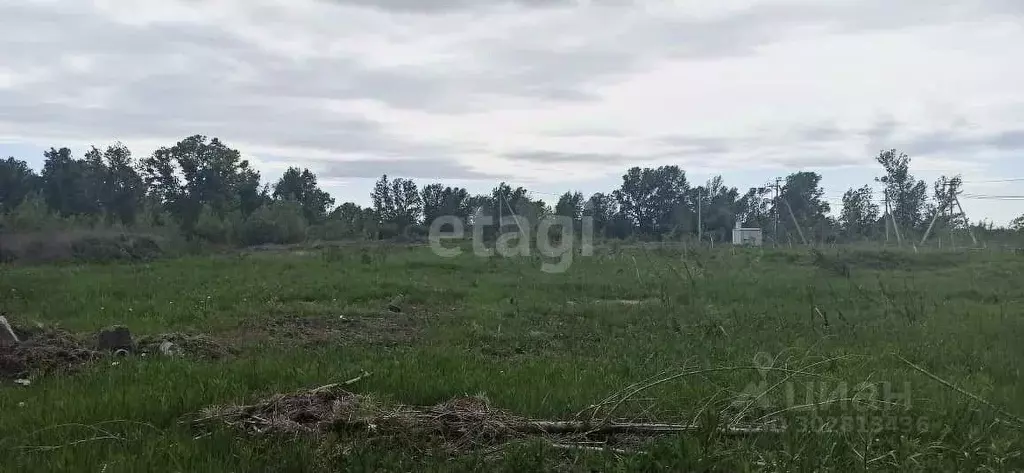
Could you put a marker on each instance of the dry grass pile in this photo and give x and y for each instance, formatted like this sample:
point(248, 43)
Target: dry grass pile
point(43, 351)
point(199, 347)
point(458, 425)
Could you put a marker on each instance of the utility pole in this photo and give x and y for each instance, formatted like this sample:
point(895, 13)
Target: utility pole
point(700, 226)
point(777, 192)
point(896, 228)
point(501, 200)
point(797, 225)
point(966, 221)
point(885, 217)
point(941, 209)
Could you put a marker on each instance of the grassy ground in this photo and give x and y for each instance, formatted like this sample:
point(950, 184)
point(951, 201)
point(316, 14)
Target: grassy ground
point(844, 324)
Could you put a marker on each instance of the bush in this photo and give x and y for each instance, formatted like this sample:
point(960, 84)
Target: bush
point(418, 232)
point(31, 215)
point(99, 249)
point(333, 230)
point(115, 248)
point(388, 231)
point(278, 222)
point(211, 227)
point(81, 246)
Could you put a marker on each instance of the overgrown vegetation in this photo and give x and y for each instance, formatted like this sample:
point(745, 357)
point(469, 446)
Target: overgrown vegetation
point(772, 360)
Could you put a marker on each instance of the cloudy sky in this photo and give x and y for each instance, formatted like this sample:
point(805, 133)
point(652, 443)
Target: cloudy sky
point(548, 94)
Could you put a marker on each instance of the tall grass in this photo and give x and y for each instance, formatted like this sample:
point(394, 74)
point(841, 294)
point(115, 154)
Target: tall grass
point(778, 337)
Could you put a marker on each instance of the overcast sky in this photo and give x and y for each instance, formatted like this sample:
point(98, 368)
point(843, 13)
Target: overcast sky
point(548, 94)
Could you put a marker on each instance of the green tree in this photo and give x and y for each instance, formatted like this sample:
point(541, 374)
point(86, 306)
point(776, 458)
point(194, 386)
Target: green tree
point(860, 214)
point(348, 220)
point(301, 186)
point(570, 205)
point(718, 207)
point(17, 182)
point(1017, 224)
point(905, 194)
point(212, 174)
point(946, 190)
point(754, 209)
point(505, 200)
point(251, 194)
point(383, 201)
point(71, 186)
point(439, 201)
point(805, 197)
point(654, 199)
point(397, 202)
point(408, 203)
point(121, 188)
point(603, 209)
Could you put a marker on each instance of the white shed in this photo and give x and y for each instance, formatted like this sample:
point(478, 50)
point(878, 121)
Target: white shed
point(746, 236)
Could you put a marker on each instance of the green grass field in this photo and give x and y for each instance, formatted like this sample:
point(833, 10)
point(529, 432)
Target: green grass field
point(829, 337)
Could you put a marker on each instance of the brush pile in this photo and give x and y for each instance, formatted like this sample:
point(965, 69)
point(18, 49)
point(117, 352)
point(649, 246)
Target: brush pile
point(460, 424)
point(44, 351)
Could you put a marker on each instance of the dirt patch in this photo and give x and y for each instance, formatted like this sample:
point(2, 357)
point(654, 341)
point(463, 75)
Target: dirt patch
point(385, 328)
point(43, 351)
point(199, 347)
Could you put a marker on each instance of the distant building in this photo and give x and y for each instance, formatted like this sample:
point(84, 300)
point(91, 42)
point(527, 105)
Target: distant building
point(746, 236)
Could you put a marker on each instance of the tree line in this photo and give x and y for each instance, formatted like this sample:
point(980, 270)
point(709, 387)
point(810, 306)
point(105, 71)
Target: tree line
point(205, 190)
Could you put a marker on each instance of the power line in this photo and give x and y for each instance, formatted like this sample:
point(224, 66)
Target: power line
point(1011, 179)
point(993, 197)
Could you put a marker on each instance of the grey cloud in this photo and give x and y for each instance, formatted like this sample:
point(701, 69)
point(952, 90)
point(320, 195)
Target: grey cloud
point(509, 67)
point(708, 145)
point(708, 152)
point(585, 131)
point(176, 79)
point(407, 168)
point(435, 6)
point(954, 143)
point(881, 133)
point(1008, 140)
point(195, 80)
point(820, 133)
point(562, 157)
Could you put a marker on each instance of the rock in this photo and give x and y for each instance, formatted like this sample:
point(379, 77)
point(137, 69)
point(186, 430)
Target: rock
point(116, 339)
point(169, 349)
point(6, 332)
point(396, 304)
point(23, 382)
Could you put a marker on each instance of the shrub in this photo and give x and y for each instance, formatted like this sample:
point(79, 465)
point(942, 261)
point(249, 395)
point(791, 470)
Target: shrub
point(388, 231)
point(82, 246)
point(100, 249)
point(211, 227)
point(278, 222)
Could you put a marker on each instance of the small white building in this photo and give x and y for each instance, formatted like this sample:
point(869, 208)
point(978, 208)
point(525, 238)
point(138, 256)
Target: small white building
point(746, 236)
